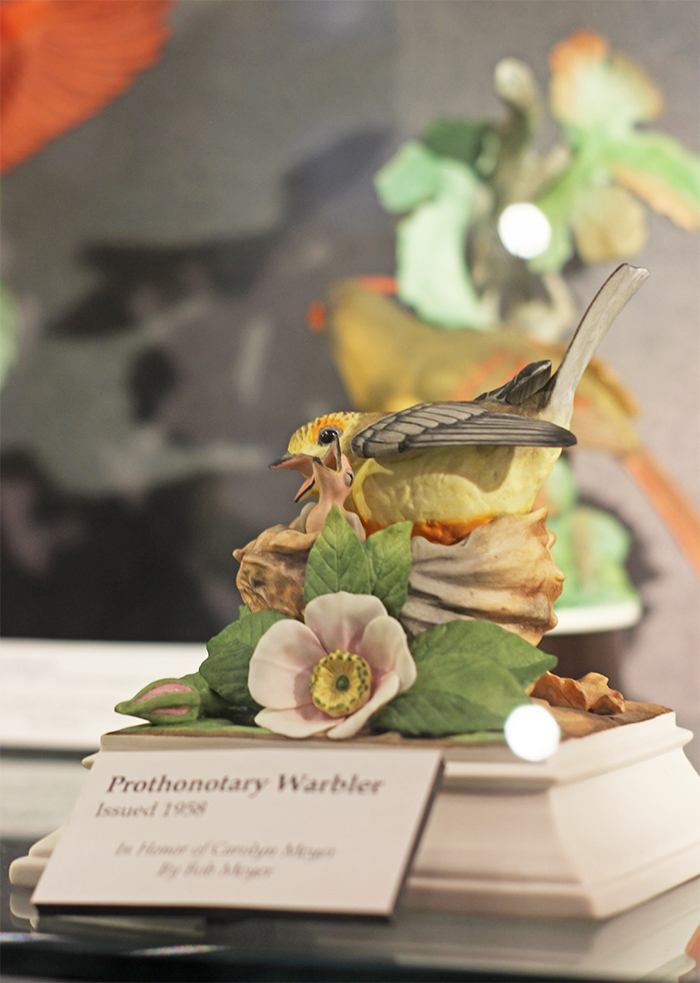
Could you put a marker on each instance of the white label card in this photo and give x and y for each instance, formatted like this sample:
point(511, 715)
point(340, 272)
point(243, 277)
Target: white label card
point(298, 829)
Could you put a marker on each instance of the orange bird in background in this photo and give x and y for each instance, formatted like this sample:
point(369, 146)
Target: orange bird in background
point(61, 62)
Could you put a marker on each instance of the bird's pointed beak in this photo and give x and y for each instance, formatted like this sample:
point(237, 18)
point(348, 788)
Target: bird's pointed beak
point(298, 462)
point(295, 462)
point(307, 486)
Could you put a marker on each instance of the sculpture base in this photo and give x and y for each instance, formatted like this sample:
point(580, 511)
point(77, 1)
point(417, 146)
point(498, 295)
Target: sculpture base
point(606, 823)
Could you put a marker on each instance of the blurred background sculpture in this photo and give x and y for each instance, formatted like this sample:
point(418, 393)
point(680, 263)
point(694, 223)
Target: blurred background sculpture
point(486, 225)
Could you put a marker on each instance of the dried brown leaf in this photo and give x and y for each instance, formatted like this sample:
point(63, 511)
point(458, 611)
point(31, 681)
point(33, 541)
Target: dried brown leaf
point(660, 195)
point(590, 693)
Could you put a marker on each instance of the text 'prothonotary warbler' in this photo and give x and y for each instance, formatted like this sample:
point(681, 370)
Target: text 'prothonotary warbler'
point(449, 467)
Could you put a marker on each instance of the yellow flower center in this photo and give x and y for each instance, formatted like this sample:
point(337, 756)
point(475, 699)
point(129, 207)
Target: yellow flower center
point(340, 683)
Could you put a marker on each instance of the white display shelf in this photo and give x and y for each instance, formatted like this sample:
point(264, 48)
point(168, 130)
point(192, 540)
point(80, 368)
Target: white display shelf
point(597, 617)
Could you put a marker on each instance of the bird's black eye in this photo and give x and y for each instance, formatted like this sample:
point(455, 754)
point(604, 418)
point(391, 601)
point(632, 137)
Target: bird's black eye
point(327, 435)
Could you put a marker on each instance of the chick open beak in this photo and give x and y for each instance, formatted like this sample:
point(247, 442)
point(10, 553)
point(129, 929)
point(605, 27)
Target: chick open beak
point(332, 458)
point(298, 462)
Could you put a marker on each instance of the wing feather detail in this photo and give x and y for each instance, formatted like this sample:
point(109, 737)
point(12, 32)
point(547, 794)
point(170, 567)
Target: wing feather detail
point(433, 425)
point(530, 380)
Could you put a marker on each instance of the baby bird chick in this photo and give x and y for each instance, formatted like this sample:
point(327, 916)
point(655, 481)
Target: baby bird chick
point(331, 478)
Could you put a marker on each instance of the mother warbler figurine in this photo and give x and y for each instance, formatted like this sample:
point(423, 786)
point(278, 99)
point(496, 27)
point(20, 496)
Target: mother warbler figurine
point(450, 467)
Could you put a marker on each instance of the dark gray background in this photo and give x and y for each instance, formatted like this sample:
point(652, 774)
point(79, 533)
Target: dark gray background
point(165, 253)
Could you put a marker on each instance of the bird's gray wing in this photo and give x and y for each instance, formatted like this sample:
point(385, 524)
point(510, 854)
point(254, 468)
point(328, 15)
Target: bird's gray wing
point(432, 425)
point(530, 380)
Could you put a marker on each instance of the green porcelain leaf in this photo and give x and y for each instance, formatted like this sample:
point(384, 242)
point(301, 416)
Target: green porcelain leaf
point(462, 694)
point(389, 555)
point(592, 547)
point(523, 660)
point(470, 677)
point(408, 179)
point(662, 172)
point(337, 561)
point(226, 667)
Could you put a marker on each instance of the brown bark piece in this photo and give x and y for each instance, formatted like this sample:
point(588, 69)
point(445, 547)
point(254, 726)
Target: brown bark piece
point(273, 568)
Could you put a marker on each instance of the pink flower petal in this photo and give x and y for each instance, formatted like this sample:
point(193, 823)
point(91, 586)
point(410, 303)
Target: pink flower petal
point(281, 666)
point(387, 690)
point(294, 723)
point(385, 647)
point(339, 620)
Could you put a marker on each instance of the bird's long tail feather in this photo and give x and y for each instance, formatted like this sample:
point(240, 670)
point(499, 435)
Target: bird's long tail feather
point(617, 290)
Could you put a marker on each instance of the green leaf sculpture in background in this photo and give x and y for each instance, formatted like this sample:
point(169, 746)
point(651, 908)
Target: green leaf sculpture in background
point(462, 139)
point(441, 196)
point(451, 189)
point(600, 97)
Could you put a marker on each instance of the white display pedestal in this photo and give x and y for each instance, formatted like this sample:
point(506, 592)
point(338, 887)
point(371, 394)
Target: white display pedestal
point(607, 822)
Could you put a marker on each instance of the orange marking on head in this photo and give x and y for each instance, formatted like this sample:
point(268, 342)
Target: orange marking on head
point(330, 420)
point(317, 316)
point(379, 284)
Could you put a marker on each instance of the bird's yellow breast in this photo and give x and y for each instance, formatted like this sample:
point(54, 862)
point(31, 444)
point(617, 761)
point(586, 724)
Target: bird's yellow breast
point(460, 487)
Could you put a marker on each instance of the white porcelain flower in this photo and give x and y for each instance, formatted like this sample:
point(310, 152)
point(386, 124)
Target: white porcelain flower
point(332, 673)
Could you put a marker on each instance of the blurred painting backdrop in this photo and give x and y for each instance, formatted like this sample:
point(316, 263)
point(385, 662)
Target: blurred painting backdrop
point(159, 259)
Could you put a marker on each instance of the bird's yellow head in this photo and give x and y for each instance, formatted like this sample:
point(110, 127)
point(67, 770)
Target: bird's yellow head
point(313, 442)
point(314, 439)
